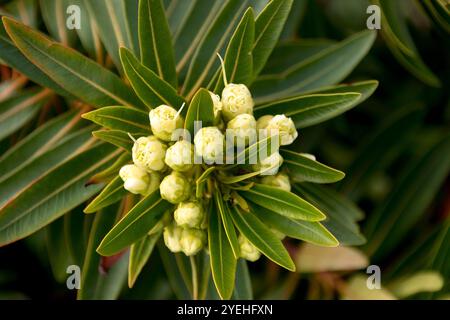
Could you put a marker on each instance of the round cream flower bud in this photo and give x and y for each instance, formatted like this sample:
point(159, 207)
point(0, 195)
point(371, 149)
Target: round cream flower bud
point(180, 156)
point(164, 120)
point(149, 153)
point(175, 188)
point(263, 122)
point(248, 250)
point(217, 107)
point(209, 144)
point(243, 127)
point(236, 100)
point(189, 215)
point(281, 181)
point(270, 165)
point(192, 241)
point(172, 237)
point(286, 129)
point(136, 180)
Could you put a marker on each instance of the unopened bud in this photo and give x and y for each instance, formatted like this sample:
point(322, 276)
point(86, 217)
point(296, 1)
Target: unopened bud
point(236, 100)
point(149, 153)
point(189, 215)
point(180, 156)
point(175, 188)
point(281, 181)
point(192, 241)
point(172, 237)
point(164, 120)
point(248, 250)
point(209, 144)
point(285, 128)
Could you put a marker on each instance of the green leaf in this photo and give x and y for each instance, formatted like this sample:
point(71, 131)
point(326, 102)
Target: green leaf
point(112, 193)
point(283, 202)
point(79, 75)
point(120, 118)
point(200, 69)
point(57, 250)
point(238, 58)
point(113, 26)
point(400, 42)
point(26, 11)
point(325, 68)
point(115, 137)
point(52, 195)
point(10, 54)
point(302, 168)
point(17, 111)
point(223, 262)
point(268, 27)
point(309, 110)
point(55, 17)
point(150, 88)
point(201, 109)
point(262, 238)
point(341, 213)
point(139, 254)
point(380, 148)
point(155, 41)
point(243, 285)
point(312, 232)
point(365, 88)
point(254, 152)
point(439, 12)
point(408, 201)
point(134, 225)
point(76, 232)
point(94, 283)
point(223, 209)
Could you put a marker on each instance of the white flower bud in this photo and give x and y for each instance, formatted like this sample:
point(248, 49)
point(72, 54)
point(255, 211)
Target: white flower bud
point(149, 153)
point(136, 180)
point(217, 107)
point(263, 122)
point(236, 100)
point(248, 250)
point(281, 181)
point(270, 165)
point(175, 188)
point(286, 129)
point(243, 127)
point(172, 237)
point(180, 156)
point(189, 215)
point(209, 144)
point(164, 120)
point(192, 241)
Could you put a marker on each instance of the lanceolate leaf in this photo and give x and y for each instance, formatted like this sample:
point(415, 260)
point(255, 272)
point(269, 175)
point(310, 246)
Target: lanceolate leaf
point(118, 138)
point(325, 68)
point(283, 202)
point(135, 225)
point(52, 195)
point(312, 232)
point(243, 287)
point(268, 27)
point(302, 168)
point(365, 88)
point(238, 57)
point(150, 88)
point(205, 55)
point(223, 262)
point(55, 18)
point(262, 238)
point(155, 41)
point(111, 194)
point(201, 109)
point(79, 75)
point(139, 254)
point(17, 111)
point(120, 118)
point(309, 110)
point(223, 210)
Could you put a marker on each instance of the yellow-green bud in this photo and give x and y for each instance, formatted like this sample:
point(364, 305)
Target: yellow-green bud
point(248, 250)
point(172, 237)
point(217, 107)
point(136, 180)
point(192, 241)
point(164, 120)
point(175, 188)
point(270, 165)
point(244, 127)
point(189, 215)
point(180, 156)
point(286, 129)
point(149, 153)
point(236, 100)
point(209, 144)
point(263, 122)
point(281, 181)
